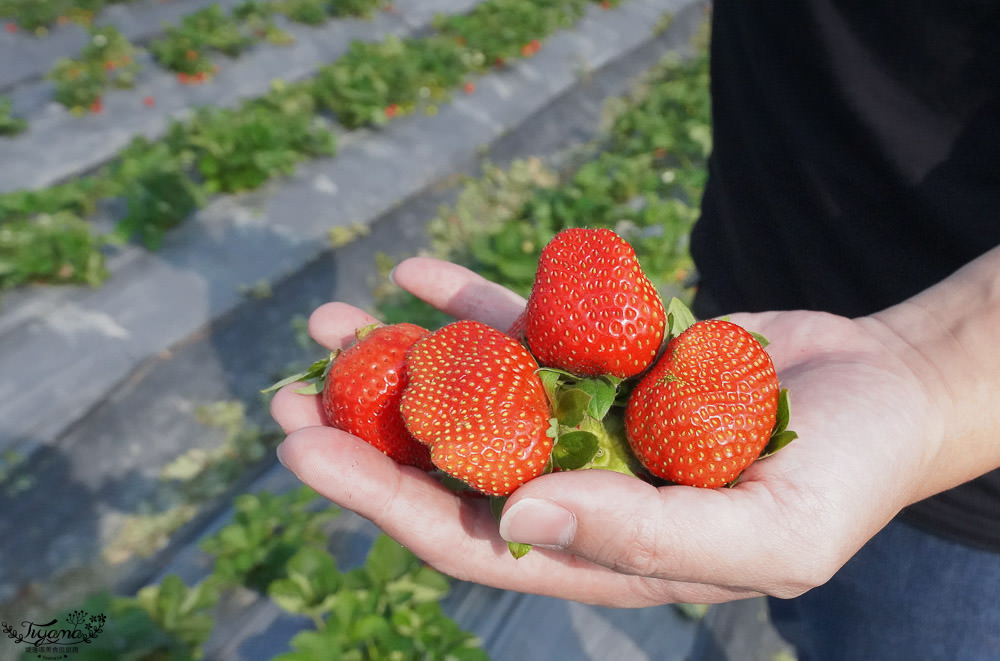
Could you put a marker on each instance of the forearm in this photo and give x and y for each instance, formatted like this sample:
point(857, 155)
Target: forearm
point(949, 335)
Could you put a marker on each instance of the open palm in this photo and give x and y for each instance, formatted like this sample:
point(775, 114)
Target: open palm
point(864, 422)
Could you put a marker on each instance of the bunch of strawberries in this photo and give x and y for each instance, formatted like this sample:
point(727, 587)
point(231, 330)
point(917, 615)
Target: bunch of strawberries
point(595, 373)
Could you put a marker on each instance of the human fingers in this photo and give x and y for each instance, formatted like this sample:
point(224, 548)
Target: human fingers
point(293, 410)
point(744, 538)
point(458, 534)
point(458, 291)
point(333, 324)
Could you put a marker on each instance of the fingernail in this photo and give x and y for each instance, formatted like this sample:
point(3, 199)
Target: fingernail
point(278, 452)
point(539, 523)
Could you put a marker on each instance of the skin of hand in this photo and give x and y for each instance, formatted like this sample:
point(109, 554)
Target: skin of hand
point(874, 407)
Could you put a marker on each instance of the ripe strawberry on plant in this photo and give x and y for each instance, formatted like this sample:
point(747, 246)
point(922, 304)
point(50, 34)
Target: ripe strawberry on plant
point(475, 399)
point(361, 387)
point(592, 311)
point(708, 407)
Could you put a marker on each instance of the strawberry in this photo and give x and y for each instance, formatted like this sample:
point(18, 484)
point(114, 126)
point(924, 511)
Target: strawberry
point(707, 408)
point(592, 311)
point(361, 387)
point(475, 399)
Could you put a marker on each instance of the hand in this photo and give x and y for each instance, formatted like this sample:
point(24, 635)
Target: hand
point(864, 424)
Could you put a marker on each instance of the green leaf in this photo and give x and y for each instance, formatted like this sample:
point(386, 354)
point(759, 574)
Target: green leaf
point(518, 550)
point(571, 405)
point(496, 507)
point(603, 392)
point(781, 435)
point(388, 560)
point(760, 338)
point(574, 449)
point(315, 374)
point(551, 378)
point(679, 317)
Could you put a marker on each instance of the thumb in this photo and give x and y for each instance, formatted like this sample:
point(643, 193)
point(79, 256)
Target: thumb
point(675, 533)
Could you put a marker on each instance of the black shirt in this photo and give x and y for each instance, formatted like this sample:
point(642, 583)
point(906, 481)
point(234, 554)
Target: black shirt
point(856, 162)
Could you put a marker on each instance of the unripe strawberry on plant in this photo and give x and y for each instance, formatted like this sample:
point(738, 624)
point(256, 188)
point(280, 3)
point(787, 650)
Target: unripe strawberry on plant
point(361, 387)
point(592, 311)
point(475, 399)
point(707, 408)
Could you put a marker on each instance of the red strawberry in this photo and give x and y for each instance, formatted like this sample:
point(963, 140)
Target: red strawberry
point(475, 399)
point(364, 387)
point(592, 311)
point(707, 408)
point(361, 388)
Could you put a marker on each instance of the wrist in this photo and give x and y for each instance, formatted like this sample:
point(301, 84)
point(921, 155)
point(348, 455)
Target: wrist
point(946, 337)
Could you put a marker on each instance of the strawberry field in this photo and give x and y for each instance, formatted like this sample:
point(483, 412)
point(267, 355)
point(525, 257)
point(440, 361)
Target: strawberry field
point(182, 182)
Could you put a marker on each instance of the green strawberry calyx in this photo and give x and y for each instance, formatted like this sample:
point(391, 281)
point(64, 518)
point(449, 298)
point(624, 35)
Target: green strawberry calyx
point(781, 435)
point(587, 425)
point(315, 375)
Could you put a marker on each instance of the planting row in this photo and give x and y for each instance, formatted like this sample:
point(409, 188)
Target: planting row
point(38, 15)
point(44, 234)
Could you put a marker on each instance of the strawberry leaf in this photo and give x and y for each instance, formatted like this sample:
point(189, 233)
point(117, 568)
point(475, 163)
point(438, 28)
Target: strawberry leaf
point(571, 405)
point(602, 393)
point(550, 379)
point(315, 374)
point(760, 338)
point(780, 435)
point(516, 549)
point(574, 450)
point(679, 318)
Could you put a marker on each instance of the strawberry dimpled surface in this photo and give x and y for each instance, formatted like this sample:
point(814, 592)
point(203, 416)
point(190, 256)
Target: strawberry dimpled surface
point(474, 398)
point(705, 411)
point(592, 310)
point(363, 389)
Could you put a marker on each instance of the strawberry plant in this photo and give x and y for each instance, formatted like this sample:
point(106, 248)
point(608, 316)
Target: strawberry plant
point(373, 82)
point(10, 125)
point(107, 61)
point(266, 531)
point(168, 620)
point(499, 30)
point(56, 248)
point(340, 8)
point(38, 15)
point(185, 48)
point(388, 608)
point(239, 149)
point(309, 12)
point(158, 192)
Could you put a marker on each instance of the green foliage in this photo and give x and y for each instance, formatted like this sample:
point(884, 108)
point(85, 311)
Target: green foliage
point(168, 621)
point(644, 181)
point(228, 150)
point(184, 48)
point(38, 15)
point(158, 192)
point(10, 125)
point(107, 61)
point(266, 531)
point(497, 31)
point(55, 248)
point(387, 609)
point(240, 149)
point(375, 81)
